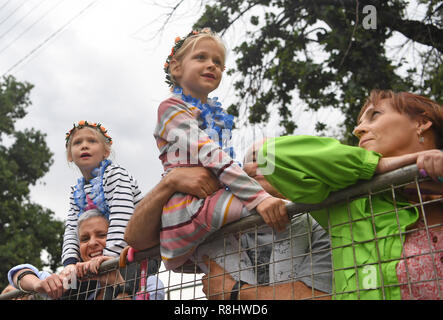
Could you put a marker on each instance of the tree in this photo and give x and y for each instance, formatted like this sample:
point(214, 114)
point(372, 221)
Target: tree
point(280, 59)
point(26, 228)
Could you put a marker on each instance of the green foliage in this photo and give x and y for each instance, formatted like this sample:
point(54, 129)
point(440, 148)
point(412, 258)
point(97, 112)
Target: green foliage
point(13, 101)
point(26, 228)
point(320, 52)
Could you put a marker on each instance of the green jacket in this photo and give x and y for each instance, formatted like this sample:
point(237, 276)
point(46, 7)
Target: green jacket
point(306, 169)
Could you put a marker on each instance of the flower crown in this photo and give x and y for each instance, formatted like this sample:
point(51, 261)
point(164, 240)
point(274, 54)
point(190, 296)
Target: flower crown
point(178, 44)
point(82, 124)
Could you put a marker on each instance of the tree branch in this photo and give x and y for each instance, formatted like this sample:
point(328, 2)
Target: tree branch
point(417, 31)
point(352, 36)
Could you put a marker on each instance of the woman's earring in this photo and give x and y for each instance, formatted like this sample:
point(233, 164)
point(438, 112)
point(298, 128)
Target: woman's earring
point(421, 139)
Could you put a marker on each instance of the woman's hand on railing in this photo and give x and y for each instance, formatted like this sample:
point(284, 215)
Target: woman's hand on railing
point(91, 268)
point(88, 268)
point(51, 286)
point(68, 271)
point(430, 163)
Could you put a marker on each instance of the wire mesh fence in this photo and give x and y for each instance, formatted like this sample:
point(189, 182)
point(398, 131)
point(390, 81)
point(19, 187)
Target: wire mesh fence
point(329, 251)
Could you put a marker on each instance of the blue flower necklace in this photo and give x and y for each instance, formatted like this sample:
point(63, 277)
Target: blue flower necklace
point(97, 194)
point(216, 123)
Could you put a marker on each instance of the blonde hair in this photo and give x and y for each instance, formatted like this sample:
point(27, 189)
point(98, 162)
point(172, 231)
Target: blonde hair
point(189, 45)
point(106, 143)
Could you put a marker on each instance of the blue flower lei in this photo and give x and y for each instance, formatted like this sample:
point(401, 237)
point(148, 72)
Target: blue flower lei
point(216, 123)
point(97, 194)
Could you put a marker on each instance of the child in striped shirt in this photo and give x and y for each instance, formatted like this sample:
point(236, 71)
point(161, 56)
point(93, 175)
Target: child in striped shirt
point(193, 130)
point(111, 188)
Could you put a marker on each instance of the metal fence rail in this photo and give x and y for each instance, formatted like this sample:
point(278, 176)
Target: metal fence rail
point(262, 247)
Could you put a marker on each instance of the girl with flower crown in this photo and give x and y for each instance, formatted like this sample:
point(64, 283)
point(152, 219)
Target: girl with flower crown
point(104, 184)
point(193, 130)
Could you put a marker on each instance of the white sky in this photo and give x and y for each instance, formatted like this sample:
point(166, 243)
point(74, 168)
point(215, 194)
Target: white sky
point(101, 68)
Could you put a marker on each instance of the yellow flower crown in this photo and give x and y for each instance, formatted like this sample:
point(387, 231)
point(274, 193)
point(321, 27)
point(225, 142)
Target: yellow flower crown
point(82, 124)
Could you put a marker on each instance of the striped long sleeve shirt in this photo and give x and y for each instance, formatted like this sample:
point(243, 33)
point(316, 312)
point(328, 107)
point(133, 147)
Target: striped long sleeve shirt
point(187, 220)
point(122, 195)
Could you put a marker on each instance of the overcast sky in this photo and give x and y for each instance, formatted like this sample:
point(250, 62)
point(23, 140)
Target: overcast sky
point(100, 67)
point(100, 61)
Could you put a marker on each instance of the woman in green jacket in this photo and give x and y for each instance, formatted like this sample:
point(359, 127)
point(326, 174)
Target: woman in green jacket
point(382, 247)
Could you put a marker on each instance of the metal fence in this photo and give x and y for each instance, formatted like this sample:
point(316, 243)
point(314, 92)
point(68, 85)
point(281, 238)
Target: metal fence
point(285, 264)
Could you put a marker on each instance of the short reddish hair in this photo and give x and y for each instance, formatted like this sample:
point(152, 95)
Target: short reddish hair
point(413, 105)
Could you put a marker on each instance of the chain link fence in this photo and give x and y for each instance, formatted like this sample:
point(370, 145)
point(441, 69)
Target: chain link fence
point(305, 261)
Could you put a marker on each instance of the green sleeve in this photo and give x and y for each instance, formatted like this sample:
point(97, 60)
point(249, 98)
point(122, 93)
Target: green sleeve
point(306, 169)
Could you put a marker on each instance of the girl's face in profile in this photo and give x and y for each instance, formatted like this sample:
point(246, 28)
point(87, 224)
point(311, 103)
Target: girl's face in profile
point(87, 150)
point(201, 69)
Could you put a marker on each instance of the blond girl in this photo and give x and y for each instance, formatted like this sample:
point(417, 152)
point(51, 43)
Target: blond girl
point(107, 185)
point(193, 130)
